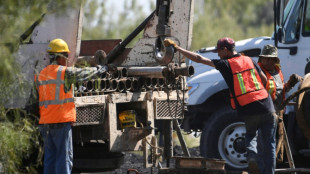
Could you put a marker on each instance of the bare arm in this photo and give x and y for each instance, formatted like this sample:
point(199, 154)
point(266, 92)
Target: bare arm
point(195, 57)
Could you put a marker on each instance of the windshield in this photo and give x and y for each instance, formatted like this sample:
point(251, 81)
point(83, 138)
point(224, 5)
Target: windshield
point(292, 24)
point(290, 21)
point(287, 5)
point(287, 10)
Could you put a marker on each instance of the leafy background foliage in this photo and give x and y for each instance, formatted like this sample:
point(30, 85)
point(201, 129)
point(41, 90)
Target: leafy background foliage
point(238, 19)
point(20, 150)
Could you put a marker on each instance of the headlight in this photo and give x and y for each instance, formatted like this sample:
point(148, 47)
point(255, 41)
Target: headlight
point(192, 87)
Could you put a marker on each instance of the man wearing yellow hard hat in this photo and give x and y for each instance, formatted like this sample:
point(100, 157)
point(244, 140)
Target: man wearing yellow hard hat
point(56, 105)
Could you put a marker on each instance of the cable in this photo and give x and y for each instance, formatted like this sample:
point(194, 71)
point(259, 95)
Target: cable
point(293, 95)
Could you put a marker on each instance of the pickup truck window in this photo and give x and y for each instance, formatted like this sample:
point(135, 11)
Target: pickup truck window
point(288, 8)
point(292, 29)
point(306, 23)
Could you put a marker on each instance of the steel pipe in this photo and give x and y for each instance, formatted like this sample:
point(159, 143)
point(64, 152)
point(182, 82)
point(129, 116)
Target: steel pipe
point(113, 84)
point(134, 84)
point(127, 83)
point(116, 75)
point(184, 71)
point(103, 85)
point(120, 86)
point(161, 82)
point(89, 86)
point(107, 84)
point(154, 82)
point(104, 75)
point(149, 72)
point(123, 71)
point(99, 85)
point(148, 82)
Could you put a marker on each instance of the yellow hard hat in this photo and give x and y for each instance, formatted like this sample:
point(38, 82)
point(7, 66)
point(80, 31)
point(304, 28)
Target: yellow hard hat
point(58, 46)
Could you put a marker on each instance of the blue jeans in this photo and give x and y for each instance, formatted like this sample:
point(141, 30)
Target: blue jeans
point(267, 126)
point(58, 151)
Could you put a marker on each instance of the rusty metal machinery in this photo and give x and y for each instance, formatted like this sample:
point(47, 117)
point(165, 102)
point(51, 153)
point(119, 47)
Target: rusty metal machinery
point(150, 80)
point(135, 80)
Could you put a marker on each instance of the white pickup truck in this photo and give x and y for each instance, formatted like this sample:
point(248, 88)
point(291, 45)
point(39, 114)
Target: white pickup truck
point(209, 109)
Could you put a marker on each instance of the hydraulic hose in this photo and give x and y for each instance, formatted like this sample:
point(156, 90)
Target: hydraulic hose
point(301, 90)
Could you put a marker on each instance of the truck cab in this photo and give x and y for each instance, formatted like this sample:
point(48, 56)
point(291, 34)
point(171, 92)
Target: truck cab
point(209, 111)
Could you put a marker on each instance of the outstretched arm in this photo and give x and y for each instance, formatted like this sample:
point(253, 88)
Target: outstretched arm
point(189, 54)
point(195, 57)
point(74, 75)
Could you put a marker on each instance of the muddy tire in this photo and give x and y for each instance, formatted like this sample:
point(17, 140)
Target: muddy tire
point(303, 112)
point(223, 138)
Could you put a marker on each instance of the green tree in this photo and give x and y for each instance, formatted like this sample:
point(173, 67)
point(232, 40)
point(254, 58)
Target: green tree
point(102, 23)
point(19, 137)
point(239, 19)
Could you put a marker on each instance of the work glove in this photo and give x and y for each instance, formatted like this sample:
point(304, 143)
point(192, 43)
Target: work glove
point(111, 68)
point(101, 57)
point(169, 42)
point(294, 78)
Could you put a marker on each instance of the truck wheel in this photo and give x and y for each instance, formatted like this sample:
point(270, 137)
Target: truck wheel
point(223, 137)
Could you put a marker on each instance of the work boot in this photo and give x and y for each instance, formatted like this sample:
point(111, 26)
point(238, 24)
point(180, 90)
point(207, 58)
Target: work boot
point(253, 166)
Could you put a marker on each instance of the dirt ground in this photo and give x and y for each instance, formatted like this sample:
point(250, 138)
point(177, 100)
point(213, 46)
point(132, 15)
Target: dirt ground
point(134, 161)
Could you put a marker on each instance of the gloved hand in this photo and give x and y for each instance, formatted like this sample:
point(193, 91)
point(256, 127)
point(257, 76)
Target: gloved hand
point(101, 57)
point(294, 78)
point(169, 42)
point(111, 67)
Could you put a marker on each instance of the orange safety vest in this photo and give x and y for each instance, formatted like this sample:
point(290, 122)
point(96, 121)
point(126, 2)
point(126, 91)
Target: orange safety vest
point(271, 85)
point(248, 87)
point(56, 106)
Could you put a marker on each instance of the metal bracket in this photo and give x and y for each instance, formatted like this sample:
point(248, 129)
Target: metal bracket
point(163, 57)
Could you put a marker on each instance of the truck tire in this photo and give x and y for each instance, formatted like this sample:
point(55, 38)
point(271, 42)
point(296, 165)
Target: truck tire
point(303, 113)
point(304, 118)
point(223, 137)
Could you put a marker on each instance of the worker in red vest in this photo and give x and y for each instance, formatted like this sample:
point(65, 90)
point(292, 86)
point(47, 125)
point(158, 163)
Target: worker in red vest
point(276, 87)
point(56, 105)
point(245, 81)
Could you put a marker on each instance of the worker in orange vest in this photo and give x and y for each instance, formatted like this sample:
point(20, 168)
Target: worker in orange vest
point(276, 87)
point(56, 105)
point(245, 81)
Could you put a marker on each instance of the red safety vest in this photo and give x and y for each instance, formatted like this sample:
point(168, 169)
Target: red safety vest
point(248, 87)
point(271, 85)
point(56, 106)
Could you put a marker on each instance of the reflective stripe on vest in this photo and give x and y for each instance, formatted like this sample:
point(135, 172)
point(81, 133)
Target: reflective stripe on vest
point(270, 87)
point(58, 82)
point(56, 106)
point(247, 83)
point(271, 84)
